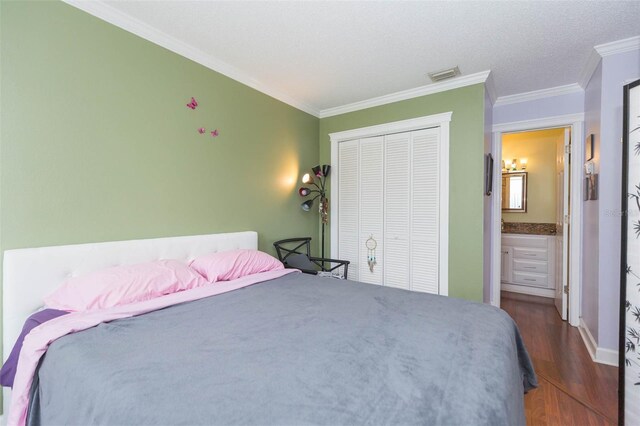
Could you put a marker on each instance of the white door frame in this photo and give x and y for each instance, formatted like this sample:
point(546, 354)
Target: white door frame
point(436, 120)
point(576, 122)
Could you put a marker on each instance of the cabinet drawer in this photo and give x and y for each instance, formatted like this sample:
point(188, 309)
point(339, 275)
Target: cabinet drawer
point(533, 241)
point(526, 278)
point(530, 266)
point(529, 253)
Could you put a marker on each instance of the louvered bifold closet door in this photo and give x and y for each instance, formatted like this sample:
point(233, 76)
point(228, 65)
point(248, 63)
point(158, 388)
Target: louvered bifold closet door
point(397, 191)
point(371, 207)
point(348, 206)
point(425, 207)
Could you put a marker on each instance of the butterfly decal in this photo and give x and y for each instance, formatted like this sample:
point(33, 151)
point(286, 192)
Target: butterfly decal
point(214, 133)
point(202, 130)
point(193, 104)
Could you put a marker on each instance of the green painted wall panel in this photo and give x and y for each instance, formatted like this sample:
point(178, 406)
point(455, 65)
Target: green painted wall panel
point(466, 172)
point(97, 143)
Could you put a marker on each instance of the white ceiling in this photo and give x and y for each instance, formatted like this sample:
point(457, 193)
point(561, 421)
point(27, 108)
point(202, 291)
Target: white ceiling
point(328, 54)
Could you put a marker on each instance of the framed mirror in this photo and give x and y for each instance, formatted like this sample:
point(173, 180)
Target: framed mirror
point(514, 192)
point(629, 352)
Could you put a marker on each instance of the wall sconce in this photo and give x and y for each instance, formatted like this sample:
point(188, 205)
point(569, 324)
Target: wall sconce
point(523, 163)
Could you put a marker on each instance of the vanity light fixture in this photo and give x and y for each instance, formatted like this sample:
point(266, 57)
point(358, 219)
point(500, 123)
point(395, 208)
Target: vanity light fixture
point(523, 163)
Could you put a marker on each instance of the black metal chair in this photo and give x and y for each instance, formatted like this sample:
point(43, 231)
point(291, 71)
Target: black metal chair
point(296, 253)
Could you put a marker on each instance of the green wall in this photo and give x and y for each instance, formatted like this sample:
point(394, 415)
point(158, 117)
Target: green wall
point(97, 144)
point(466, 172)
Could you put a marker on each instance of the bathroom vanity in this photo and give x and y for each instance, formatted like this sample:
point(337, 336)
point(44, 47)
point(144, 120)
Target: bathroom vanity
point(529, 263)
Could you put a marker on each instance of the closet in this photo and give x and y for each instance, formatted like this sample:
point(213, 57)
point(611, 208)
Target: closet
point(389, 196)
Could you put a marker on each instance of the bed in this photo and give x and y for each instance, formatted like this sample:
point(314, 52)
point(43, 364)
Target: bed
point(288, 349)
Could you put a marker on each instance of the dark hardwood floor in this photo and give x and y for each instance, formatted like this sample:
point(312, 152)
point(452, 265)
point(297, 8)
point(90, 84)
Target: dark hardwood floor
point(573, 389)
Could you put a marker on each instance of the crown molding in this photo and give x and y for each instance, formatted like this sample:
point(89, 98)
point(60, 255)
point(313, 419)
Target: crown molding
point(490, 87)
point(538, 94)
point(454, 83)
point(589, 68)
point(115, 17)
point(619, 46)
point(606, 49)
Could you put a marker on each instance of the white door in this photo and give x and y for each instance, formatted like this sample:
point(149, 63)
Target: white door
point(397, 205)
point(425, 211)
point(371, 208)
point(562, 225)
point(349, 206)
point(389, 190)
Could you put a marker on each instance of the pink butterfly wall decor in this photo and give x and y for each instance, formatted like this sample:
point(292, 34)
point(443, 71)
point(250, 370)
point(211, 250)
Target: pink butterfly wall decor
point(201, 130)
point(193, 104)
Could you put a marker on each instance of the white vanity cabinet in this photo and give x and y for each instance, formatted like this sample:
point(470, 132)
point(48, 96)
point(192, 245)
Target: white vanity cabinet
point(528, 264)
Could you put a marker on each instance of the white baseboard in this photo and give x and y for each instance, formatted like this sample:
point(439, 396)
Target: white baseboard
point(532, 291)
point(599, 355)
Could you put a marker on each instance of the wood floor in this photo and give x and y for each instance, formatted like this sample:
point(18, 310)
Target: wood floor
point(573, 389)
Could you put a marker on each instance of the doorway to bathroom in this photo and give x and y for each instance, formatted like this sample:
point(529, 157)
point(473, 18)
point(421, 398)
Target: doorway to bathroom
point(535, 205)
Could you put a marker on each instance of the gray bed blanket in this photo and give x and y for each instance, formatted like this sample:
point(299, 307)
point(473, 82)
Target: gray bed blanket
point(292, 351)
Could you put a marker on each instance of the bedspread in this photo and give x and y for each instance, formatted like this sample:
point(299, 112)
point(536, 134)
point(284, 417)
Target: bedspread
point(294, 350)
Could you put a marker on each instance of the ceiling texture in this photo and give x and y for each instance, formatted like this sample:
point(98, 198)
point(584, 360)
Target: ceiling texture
point(328, 54)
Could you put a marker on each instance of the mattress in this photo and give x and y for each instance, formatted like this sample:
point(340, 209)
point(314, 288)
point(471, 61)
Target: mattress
point(299, 349)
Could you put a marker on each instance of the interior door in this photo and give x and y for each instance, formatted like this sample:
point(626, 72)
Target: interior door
point(397, 204)
point(371, 209)
point(562, 226)
point(349, 206)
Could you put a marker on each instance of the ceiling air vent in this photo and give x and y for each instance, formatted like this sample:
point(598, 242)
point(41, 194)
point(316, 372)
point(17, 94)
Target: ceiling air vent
point(444, 74)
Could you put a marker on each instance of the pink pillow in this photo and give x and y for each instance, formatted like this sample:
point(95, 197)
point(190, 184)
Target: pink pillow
point(230, 265)
point(123, 284)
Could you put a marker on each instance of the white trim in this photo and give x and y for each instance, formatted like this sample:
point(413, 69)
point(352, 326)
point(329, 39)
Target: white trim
point(606, 49)
point(490, 87)
point(393, 127)
point(128, 23)
point(576, 122)
point(618, 46)
point(495, 227)
point(333, 204)
point(589, 68)
point(539, 94)
point(437, 120)
point(538, 123)
point(607, 356)
point(599, 355)
point(443, 86)
point(443, 285)
point(533, 291)
point(588, 339)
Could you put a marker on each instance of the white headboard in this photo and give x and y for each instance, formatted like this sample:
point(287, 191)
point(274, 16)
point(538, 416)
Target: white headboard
point(30, 274)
